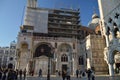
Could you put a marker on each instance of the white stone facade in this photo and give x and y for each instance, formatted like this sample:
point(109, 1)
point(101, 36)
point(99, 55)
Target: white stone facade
point(110, 23)
point(27, 46)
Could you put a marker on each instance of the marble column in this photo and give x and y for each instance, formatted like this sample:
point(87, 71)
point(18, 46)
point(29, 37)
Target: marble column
point(73, 65)
point(107, 40)
point(111, 69)
point(111, 62)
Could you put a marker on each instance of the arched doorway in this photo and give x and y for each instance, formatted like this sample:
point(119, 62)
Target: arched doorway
point(10, 65)
point(40, 56)
point(65, 59)
point(117, 62)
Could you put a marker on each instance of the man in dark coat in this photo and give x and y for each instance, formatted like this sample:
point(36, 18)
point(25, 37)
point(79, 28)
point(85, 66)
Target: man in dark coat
point(77, 72)
point(40, 73)
point(89, 73)
point(24, 73)
point(63, 74)
point(20, 73)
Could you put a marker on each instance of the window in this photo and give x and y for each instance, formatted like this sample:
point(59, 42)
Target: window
point(64, 58)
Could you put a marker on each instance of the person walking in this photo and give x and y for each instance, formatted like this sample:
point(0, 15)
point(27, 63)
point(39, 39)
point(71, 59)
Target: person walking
point(24, 73)
point(68, 74)
point(16, 74)
point(4, 75)
point(89, 73)
point(63, 74)
point(40, 73)
point(77, 73)
point(59, 73)
point(93, 75)
point(9, 76)
point(20, 74)
point(80, 72)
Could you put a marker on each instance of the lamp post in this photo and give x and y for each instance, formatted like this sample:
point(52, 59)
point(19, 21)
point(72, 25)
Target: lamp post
point(49, 56)
point(48, 75)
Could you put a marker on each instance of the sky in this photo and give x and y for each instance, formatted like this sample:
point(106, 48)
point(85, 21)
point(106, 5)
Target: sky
point(12, 14)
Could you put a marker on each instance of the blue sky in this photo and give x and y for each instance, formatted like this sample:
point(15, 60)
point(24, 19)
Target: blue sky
point(11, 14)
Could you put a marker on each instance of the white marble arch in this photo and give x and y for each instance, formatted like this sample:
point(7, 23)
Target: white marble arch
point(110, 58)
point(113, 52)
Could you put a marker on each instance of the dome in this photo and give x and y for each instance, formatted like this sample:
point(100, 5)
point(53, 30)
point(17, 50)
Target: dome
point(94, 22)
point(95, 16)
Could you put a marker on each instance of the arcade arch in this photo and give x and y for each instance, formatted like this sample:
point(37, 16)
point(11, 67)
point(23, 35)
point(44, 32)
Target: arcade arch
point(113, 56)
point(40, 57)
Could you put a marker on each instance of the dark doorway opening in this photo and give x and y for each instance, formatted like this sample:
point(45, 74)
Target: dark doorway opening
point(10, 65)
point(117, 67)
point(64, 67)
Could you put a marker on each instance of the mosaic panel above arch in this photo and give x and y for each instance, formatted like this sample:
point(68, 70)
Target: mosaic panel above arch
point(43, 49)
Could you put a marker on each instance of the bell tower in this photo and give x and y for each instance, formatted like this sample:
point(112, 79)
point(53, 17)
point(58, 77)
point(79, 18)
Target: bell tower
point(32, 3)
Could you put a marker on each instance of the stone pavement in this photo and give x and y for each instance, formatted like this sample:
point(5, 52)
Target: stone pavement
point(103, 77)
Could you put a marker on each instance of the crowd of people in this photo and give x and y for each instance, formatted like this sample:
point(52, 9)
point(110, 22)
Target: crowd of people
point(86, 74)
point(83, 74)
point(10, 74)
point(65, 74)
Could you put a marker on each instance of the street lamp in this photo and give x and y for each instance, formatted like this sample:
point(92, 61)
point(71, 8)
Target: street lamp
point(49, 57)
point(48, 75)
